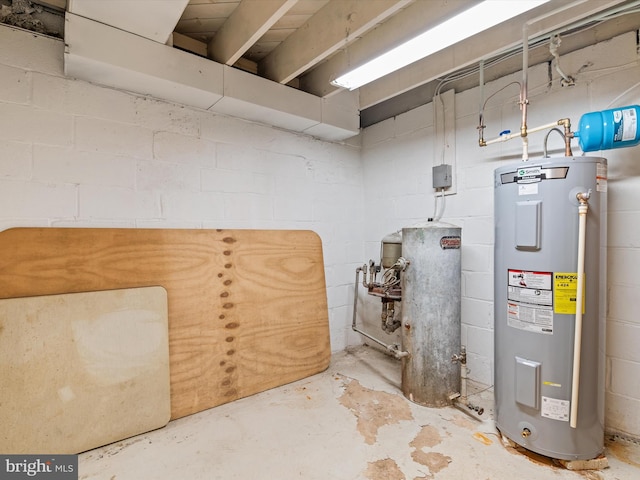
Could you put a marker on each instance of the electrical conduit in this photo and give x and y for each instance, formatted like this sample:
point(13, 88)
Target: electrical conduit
point(583, 198)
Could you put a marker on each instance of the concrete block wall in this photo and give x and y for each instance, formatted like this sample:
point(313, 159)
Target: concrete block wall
point(398, 155)
point(74, 154)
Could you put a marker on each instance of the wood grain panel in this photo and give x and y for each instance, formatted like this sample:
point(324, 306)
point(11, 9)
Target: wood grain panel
point(247, 308)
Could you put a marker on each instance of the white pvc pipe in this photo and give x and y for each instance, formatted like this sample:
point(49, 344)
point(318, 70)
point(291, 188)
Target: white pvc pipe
point(481, 80)
point(524, 95)
point(525, 149)
point(577, 339)
point(509, 136)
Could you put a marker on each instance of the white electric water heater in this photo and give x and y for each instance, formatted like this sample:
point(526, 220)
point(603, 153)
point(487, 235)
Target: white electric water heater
point(550, 223)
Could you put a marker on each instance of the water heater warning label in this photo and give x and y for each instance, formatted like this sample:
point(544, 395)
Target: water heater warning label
point(530, 280)
point(601, 177)
point(530, 301)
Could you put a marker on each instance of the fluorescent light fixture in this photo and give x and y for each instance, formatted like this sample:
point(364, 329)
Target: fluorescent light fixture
point(464, 25)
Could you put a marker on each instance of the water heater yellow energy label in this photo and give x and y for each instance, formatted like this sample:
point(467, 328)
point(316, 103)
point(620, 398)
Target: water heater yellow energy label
point(565, 287)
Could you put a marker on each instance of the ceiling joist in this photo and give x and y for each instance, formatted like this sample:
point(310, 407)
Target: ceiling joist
point(332, 27)
point(410, 22)
point(306, 44)
point(245, 26)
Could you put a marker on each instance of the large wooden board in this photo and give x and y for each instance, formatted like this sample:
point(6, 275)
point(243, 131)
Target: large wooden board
point(82, 370)
point(247, 308)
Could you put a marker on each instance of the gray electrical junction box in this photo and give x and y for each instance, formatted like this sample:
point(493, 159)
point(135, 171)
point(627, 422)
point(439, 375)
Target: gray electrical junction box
point(442, 176)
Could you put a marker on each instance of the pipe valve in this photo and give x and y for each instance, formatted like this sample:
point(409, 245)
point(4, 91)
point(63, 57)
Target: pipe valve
point(460, 357)
point(583, 197)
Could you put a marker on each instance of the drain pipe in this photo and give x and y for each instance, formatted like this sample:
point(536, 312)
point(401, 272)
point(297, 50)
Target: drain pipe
point(392, 349)
point(460, 400)
point(524, 93)
point(583, 198)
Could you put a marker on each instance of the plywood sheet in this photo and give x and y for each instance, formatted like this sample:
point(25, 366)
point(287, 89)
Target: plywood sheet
point(247, 308)
point(82, 370)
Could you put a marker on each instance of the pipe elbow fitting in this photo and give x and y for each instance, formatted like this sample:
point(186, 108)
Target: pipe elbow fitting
point(583, 197)
point(565, 122)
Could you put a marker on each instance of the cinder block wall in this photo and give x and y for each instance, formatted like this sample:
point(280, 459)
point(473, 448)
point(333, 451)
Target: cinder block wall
point(398, 155)
point(76, 154)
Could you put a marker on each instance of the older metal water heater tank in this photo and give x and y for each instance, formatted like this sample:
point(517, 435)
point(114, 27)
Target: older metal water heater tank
point(431, 313)
point(537, 238)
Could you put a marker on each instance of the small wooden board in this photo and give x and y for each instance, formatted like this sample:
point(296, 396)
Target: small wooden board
point(82, 370)
point(599, 463)
point(247, 308)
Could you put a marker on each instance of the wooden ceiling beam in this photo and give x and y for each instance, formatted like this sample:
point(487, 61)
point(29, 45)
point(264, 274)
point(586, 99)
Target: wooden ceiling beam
point(410, 22)
point(245, 26)
point(333, 26)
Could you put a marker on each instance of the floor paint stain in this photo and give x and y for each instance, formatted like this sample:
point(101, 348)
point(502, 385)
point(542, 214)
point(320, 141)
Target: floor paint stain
point(373, 409)
point(624, 451)
point(428, 436)
point(464, 422)
point(434, 461)
point(532, 456)
point(591, 475)
point(386, 469)
point(482, 438)
point(538, 459)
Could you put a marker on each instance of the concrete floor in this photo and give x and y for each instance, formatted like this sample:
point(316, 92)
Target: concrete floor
point(350, 422)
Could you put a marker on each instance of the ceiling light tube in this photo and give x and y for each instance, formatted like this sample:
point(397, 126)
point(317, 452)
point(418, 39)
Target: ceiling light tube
point(474, 20)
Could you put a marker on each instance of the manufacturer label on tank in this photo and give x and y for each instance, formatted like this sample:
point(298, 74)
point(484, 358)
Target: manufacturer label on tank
point(528, 189)
point(555, 409)
point(625, 125)
point(450, 242)
point(533, 175)
point(529, 175)
point(530, 301)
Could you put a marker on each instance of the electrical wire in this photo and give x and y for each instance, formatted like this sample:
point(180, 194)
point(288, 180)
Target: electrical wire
point(480, 391)
point(439, 213)
point(612, 102)
point(435, 208)
point(517, 51)
point(499, 90)
point(472, 70)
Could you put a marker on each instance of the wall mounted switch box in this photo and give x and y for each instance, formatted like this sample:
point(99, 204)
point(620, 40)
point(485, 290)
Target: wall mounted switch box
point(442, 176)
